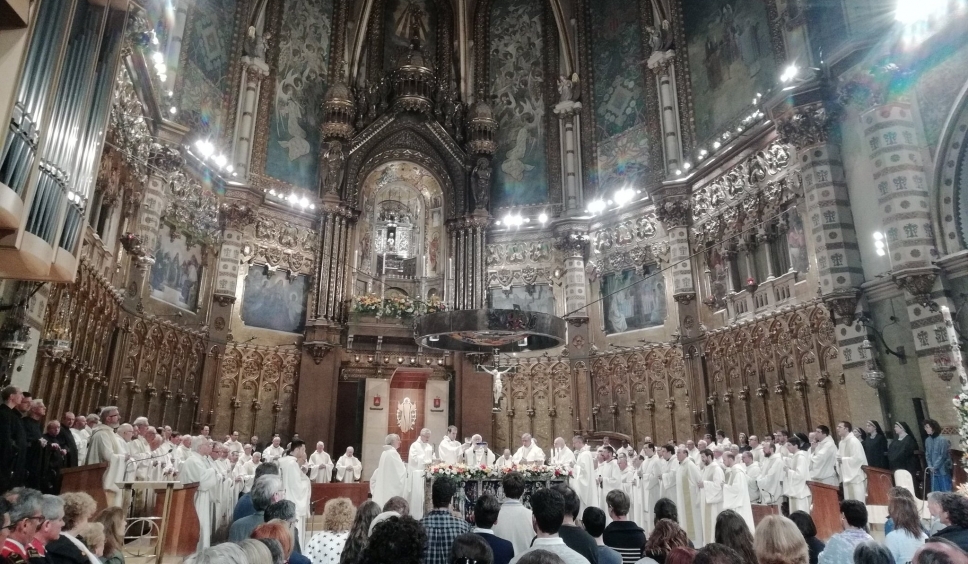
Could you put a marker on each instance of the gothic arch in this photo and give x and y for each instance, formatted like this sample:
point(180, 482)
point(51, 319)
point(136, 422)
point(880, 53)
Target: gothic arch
point(951, 179)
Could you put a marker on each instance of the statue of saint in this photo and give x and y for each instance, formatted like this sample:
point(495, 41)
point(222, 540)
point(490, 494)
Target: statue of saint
point(482, 184)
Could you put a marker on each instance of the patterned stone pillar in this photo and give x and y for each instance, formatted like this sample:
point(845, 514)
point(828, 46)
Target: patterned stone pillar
point(164, 160)
point(334, 229)
point(468, 238)
point(671, 146)
point(674, 214)
point(573, 244)
point(234, 217)
point(253, 71)
point(570, 130)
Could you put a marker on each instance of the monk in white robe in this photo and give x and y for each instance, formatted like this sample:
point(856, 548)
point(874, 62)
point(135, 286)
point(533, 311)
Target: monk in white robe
point(757, 449)
point(584, 482)
point(561, 455)
point(797, 473)
point(477, 454)
point(105, 446)
point(851, 460)
point(530, 452)
point(694, 453)
point(609, 476)
point(669, 471)
point(736, 492)
point(713, 480)
point(823, 460)
point(770, 480)
point(634, 486)
point(348, 467)
point(689, 498)
point(296, 483)
point(450, 449)
point(505, 460)
point(233, 443)
point(274, 451)
point(247, 471)
point(421, 456)
point(390, 477)
point(752, 469)
point(320, 465)
point(198, 470)
point(652, 483)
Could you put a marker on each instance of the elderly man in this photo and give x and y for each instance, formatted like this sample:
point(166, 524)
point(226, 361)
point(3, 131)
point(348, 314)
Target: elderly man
point(296, 483)
point(266, 490)
point(198, 468)
point(65, 438)
point(13, 440)
point(106, 446)
point(274, 451)
point(477, 453)
point(689, 496)
point(320, 465)
point(26, 519)
point(530, 452)
point(348, 467)
point(421, 455)
point(139, 444)
point(81, 435)
point(390, 477)
point(561, 455)
point(505, 460)
point(247, 471)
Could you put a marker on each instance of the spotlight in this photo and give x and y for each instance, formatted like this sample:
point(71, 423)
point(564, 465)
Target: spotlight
point(220, 160)
point(173, 110)
point(543, 218)
point(205, 148)
point(789, 73)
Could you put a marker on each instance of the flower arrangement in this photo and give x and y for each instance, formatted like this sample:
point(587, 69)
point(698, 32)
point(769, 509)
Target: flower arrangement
point(961, 406)
point(369, 304)
point(399, 308)
point(482, 472)
point(395, 307)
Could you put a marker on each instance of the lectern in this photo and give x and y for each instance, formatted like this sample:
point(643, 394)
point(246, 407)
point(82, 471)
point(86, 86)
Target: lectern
point(826, 509)
point(88, 479)
point(879, 482)
point(171, 527)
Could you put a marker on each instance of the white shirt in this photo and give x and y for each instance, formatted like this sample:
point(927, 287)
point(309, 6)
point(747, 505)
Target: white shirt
point(514, 525)
point(555, 545)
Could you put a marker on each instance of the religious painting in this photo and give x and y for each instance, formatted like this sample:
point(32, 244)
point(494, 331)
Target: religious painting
point(203, 80)
point(540, 298)
point(633, 300)
point(797, 242)
point(619, 91)
point(293, 143)
point(402, 19)
point(272, 300)
point(718, 275)
point(731, 59)
point(937, 88)
point(176, 275)
point(520, 175)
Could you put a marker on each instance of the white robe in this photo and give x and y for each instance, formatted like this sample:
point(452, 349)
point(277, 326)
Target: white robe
point(753, 472)
point(390, 477)
point(562, 457)
point(758, 454)
point(272, 453)
point(298, 490)
point(321, 467)
point(611, 478)
point(852, 460)
point(634, 486)
point(736, 494)
point(823, 462)
point(695, 455)
point(712, 498)
point(233, 445)
point(247, 472)
point(652, 477)
point(450, 451)
point(689, 501)
point(502, 463)
point(770, 480)
point(196, 469)
point(348, 469)
point(532, 453)
point(479, 456)
point(670, 489)
point(421, 455)
point(80, 439)
point(583, 481)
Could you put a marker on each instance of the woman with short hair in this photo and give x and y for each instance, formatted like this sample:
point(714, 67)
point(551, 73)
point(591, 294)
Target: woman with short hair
point(778, 541)
point(327, 545)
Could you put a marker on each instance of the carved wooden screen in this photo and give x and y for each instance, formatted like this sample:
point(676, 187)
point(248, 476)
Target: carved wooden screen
point(256, 388)
point(536, 399)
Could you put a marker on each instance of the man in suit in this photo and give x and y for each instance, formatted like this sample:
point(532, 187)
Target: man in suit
point(65, 438)
point(485, 516)
point(13, 440)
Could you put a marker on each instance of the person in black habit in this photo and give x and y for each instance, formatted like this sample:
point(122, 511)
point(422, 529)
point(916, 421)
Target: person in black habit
point(901, 452)
point(875, 445)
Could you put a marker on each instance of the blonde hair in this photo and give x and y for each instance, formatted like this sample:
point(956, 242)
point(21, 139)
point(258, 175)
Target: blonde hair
point(113, 520)
point(338, 515)
point(779, 541)
point(78, 507)
point(92, 535)
point(255, 551)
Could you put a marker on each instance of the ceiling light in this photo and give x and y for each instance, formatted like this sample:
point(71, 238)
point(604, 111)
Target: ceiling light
point(220, 160)
point(304, 202)
point(595, 206)
point(878, 236)
point(716, 145)
point(791, 72)
point(173, 110)
point(205, 148)
point(543, 218)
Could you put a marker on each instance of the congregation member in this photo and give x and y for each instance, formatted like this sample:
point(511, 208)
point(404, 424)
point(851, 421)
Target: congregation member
point(778, 541)
point(908, 534)
point(808, 529)
point(953, 515)
point(732, 531)
point(840, 547)
point(326, 546)
point(626, 537)
point(441, 525)
point(937, 457)
point(574, 536)
point(486, 511)
point(514, 522)
point(548, 508)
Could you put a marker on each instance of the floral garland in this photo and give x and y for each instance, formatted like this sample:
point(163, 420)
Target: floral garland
point(483, 472)
point(395, 307)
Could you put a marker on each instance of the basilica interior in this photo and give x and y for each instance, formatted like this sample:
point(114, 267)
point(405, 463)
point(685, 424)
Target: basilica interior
point(743, 215)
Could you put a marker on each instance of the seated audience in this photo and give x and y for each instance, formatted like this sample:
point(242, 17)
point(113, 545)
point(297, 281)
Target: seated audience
point(954, 517)
point(937, 550)
point(840, 547)
point(541, 557)
point(112, 518)
point(681, 555)
point(441, 525)
point(470, 548)
point(907, 536)
point(731, 531)
point(359, 533)
point(256, 551)
point(665, 508)
point(548, 508)
point(266, 490)
point(93, 537)
point(574, 536)
point(808, 529)
point(275, 550)
point(278, 530)
point(400, 540)
point(244, 507)
point(666, 537)
point(284, 510)
point(327, 545)
point(593, 519)
point(870, 552)
point(398, 504)
point(777, 540)
point(623, 535)
point(79, 507)
point(225, 553)
point(717, 553)
point(514, 521)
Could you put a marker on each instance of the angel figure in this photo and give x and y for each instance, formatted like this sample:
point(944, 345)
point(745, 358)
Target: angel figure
point(498, 385)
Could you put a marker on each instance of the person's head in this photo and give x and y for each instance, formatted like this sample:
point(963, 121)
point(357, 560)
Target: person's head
point(767, 449)
point(266, 490)
point(747, 458)
point(547, 511)
point(805, 523)
point(392, 440)
point(52, 428)
point(297, 448)
point(905, 514)
point(731, 530)
point(853, 513)
point(486, 510)
point(26, 516)
point(778, 541)
point(469, 548)
point(266, 468)
point(823, 431)
point(399, 505)
point(398, 539)
point(52, 510)
point(934, 504)
point(729, 459)
point(11, 396)
point(110, 416)
point(681, 555)
point(275, 550)
point(717, 553)
point(572, 501)
point(577, 442)
point(255, 551)
point(276, 441)
point(186, 441)
point(5, 507)
point(706, 456)
point(540, 557)
point(754, 441)
point(506, 454)
point(873, 428)
point(276, 529)
point(112, 518)
point(79, 507)
point(901, 429)
point(666, 537)
point(350, 451)
point(593, 519)
point(80, 423)
point(526, 440)
point(452, 432)
point(360, 531)
point(871, 552)
point(425, 435)
point(665, 508)
point(338, 514)
point(443, 492)
point(932, 428)
point(513, 484)
point(92, 535)
point(667, 452)
point(67, 420)
point(284, 510)
point(618, 504)
point(844, 428)
point(682, 454)
point(937, 550)
point(954, 510)
point(226, 553)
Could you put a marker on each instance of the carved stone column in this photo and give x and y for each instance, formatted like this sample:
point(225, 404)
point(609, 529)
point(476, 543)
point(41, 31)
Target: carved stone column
point(661, 64)
point(570, 130)
point(335, 228)
point(164, 161)
point(675, 214)
point(468, 236)
point(573, 244)
point(254, 70)
point(234, 218)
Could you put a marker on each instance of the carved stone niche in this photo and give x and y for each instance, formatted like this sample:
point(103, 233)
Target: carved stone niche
point(918, 282)
point(843, 304)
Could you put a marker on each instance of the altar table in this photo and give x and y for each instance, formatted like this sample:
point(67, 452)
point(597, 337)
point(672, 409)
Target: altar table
point(469, 490)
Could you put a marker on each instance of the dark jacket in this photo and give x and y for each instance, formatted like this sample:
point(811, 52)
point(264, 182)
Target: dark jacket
point(13, 449)
point(626, 538)
point(815, 546)
point(876, 450)
point(66, 440)
point(901, 455)
point(581, 542)
point(63, 551)
point(955, 534)
point(503, 550)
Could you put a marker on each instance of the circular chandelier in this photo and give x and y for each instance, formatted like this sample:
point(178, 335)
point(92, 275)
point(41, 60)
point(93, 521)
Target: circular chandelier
point(490, 330)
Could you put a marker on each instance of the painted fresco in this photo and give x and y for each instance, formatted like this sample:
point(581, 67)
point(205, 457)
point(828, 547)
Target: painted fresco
point(273, 301)
point(401, 18)
point(619, 89)
point(797, 242)
point(540, 298)
point(937, 91)
point(208, 56)
point(520, 165)
point(176, 275)
point(730, 60)
point(633, 300)
point(301, 75)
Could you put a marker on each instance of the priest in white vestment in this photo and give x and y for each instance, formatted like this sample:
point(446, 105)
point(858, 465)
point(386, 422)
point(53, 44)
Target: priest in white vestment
point(694, 453)
point(736, 491)
point(652, 470)
point(233, 443)
point(609, 476)
point(320, 465)
point(81, 436)
point(757, 449)
point(584, 482)
point(530, 452)
point(823, 460)
point(713, 480)
point(296, 483)
point(689, 497)
point(248, 471)
point(752, 469)
point(274, 451)
point(477, 453)
point(197, 469)
point(105, 446)
point(851, 460)
point(770, 480)
point(670, 469)
point(797, 473)
point(390, 477)
point(505, 460)
point(348, 467)
point(450, 449)
point(561, 455)
point(634, 485)
point(421, 456)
